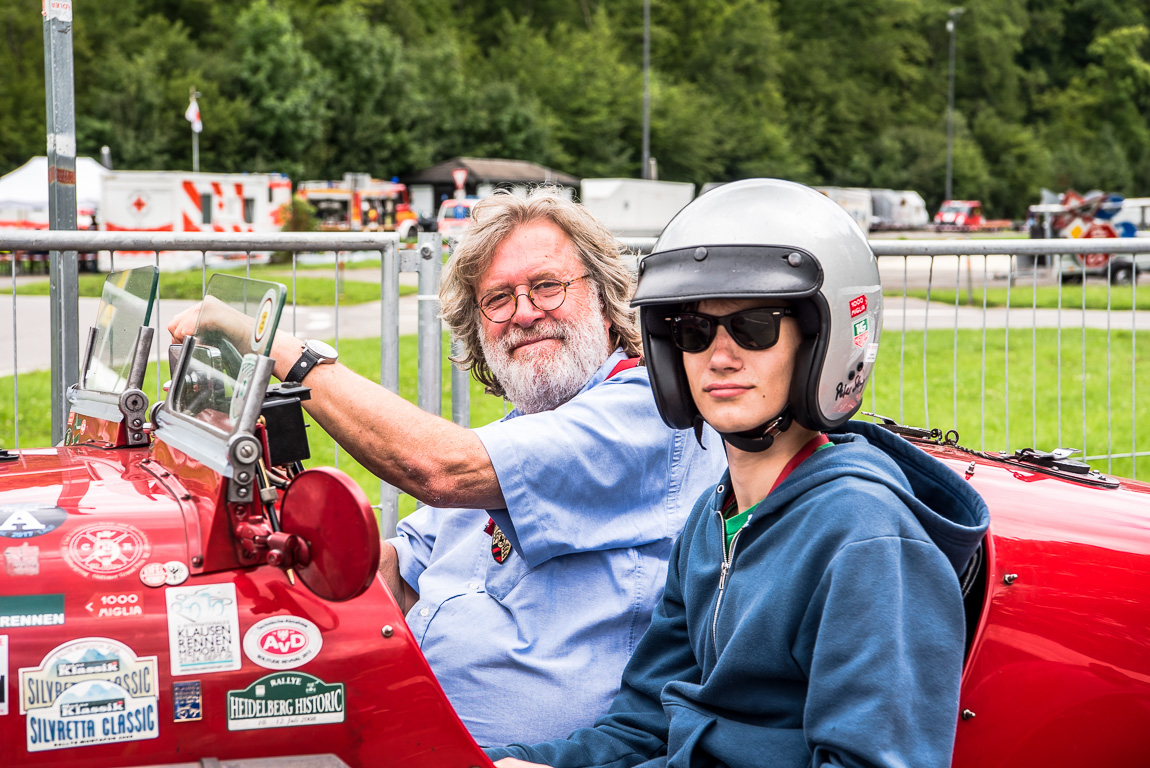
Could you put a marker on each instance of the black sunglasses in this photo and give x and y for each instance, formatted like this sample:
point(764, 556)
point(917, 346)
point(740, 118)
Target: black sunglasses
point(750, 328)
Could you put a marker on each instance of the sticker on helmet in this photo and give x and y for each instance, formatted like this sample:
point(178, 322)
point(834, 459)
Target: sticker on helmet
point(858, 306)
point(871, 353)
point(94, 690)
point(860, 332)
point(105, 550)
point(282, 642)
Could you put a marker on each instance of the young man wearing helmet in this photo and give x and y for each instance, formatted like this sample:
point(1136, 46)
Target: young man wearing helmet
point(812, 613)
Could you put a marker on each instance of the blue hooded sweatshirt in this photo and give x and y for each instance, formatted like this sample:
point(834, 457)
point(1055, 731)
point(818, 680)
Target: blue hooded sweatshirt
point(835, 638)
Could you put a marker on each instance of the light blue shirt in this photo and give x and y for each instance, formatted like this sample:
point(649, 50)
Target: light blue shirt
point(596, 490)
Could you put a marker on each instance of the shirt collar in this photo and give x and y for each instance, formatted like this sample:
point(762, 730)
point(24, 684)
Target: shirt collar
point(596, 379)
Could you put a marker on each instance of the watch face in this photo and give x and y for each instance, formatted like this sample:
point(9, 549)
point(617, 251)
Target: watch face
point(322, 349)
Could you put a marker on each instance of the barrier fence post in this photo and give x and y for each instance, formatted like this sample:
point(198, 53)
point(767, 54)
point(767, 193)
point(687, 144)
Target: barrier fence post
point(63, 279)
point(430, 335)
point(389, 369)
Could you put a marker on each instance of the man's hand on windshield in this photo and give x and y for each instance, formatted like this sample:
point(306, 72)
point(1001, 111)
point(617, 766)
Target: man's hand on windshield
point(211, 314)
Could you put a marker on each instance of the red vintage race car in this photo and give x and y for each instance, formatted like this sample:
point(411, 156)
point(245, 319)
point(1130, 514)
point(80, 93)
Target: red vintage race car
point(177, 589)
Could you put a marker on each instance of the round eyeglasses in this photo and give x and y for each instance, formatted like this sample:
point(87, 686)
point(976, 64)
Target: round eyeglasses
point(545, 295)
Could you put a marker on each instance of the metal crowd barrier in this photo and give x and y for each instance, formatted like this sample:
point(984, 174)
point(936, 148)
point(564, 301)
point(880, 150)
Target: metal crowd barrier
point(914, 274)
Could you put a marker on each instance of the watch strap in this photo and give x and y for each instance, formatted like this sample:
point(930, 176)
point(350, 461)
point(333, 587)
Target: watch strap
point(307, 360)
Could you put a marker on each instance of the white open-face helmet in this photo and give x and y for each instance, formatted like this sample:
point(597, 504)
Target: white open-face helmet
point(767, 239)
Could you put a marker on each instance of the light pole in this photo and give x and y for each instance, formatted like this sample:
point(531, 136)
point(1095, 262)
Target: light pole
point(645, 169)
point(952, 18)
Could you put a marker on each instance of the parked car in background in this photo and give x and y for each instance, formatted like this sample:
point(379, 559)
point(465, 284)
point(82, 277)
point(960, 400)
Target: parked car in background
point(455, 215)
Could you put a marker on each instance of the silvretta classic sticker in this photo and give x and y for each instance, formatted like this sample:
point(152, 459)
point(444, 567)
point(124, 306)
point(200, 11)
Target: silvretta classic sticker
point(31, 610)
point(187, 701)
point(282, 642)
point(203, 629)
point(284, 699)
point(94, 690)
point(22, 560)
point(25, 520)
point(105, 550)
point(3, 674)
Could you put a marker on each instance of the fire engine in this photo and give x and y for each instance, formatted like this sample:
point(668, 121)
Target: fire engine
point(178, 590)
point(178, 201)
point(361, 203)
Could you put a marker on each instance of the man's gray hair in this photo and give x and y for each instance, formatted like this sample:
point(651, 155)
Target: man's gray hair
point(494, 218)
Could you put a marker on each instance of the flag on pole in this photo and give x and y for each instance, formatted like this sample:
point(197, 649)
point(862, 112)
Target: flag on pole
point(193, 116)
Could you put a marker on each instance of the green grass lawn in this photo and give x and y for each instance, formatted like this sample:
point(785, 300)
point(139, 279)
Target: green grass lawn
point(1024, 295)
point(1039, 415)
point(313, 290)
point(1044, 408)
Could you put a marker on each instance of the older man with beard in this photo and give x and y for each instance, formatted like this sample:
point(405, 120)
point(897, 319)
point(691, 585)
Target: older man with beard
point(533, 571)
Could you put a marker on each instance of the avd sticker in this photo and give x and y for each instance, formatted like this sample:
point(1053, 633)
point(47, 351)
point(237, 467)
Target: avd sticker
point(282, 642)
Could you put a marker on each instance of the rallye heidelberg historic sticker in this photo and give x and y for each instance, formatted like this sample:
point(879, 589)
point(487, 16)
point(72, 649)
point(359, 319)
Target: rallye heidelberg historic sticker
point(105, 550)
point(284, 699)
point(203, 629)
point(282, 642)
point(25, 520)
point(31, 610)
point(94, 690)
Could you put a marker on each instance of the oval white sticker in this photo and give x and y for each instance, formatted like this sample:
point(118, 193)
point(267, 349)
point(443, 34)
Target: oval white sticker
point(282, 642)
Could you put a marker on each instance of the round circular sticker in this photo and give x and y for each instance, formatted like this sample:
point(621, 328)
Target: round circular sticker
point(154, 575)
point(23, 520)
point(175, 573)
point(282, 642)
point(105, 550)
point(263, 321)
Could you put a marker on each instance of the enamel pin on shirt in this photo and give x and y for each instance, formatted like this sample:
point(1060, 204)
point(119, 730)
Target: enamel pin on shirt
point(500, 546)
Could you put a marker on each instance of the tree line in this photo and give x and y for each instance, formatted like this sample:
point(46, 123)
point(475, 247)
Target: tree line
point(1052, 93)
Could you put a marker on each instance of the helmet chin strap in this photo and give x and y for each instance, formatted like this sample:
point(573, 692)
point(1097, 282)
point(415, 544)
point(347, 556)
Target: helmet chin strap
point(762, 437)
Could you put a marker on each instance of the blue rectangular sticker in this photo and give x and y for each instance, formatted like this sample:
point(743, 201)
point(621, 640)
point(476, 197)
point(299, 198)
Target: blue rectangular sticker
point(187, 700)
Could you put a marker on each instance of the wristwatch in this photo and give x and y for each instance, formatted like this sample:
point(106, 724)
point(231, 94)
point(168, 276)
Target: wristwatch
point(314, 353)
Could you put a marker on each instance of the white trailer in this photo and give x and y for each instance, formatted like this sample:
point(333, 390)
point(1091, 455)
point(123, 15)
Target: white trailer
point(635, 207)
point(898, 209)
point(855, 200)
point(182, 201)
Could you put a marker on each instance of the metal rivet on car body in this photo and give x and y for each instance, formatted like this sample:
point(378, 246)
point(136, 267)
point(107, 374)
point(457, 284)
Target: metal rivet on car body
point(1010, 578)
point(387, 630)
point(967, 714)
point(794, 259)
point(700, 253)
point(197, 561)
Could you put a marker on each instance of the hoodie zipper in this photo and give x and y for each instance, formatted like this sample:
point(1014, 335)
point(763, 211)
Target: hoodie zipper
point(724, 569)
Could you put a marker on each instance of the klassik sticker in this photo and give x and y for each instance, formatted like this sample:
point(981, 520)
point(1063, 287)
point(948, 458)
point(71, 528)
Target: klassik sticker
point(284, 699)
point(94, 690)
point(203, 629)
point(105, 550)
point(282, 642)
point(25, 520)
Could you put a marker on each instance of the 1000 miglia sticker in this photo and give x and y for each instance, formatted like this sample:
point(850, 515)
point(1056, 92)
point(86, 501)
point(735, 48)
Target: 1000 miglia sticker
point(89, 691)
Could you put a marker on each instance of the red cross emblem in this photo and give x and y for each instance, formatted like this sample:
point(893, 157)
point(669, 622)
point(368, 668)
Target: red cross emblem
point(138, 204)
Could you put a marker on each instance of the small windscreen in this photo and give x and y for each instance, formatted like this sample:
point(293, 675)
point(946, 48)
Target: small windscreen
point(237, 322)
point(125, 305)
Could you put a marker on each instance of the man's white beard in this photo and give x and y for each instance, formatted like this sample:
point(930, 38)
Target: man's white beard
point(536, 381)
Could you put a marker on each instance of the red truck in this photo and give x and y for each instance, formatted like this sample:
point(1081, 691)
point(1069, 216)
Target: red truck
point(966, 216)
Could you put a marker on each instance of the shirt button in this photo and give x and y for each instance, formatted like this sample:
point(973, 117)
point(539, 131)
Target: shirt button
point(424, 612)
point(473, 585)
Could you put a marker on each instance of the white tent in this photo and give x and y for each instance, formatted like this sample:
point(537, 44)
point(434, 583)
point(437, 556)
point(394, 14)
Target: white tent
point(24, 191)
